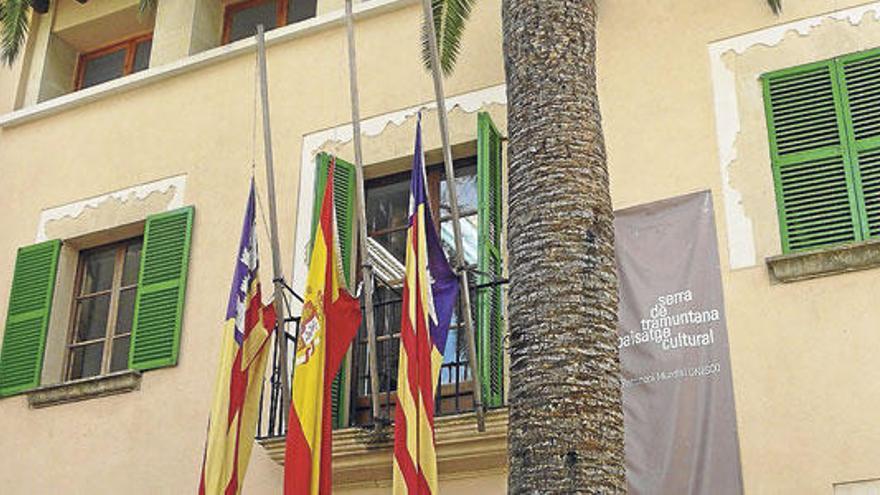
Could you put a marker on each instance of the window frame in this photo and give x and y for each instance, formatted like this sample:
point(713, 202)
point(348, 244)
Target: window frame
point(456, 395)
point(849, 145)
point(281, 11)
point(128, 44)
point(115, 291)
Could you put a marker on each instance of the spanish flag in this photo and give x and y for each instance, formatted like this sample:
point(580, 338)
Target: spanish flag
point(243, 354)
point(330, 318)
point(429, 293)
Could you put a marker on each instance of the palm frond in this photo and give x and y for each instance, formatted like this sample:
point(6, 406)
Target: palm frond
point(775, 6)
point(450, 17)
point(437, 7)
point(146, 6)
point(13, 28)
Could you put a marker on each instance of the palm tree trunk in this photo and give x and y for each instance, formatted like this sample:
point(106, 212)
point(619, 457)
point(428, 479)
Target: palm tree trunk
point(566, 421)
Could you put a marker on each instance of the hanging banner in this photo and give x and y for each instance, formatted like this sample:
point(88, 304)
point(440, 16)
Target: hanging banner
point(679, 417)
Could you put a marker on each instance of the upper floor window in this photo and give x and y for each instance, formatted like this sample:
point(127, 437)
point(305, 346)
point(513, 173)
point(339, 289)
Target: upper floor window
point(114, 61)
point(824, 128)
point(241, 19)
point(103, 309)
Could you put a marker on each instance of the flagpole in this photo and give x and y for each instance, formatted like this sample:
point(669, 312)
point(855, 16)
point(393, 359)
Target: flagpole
point(453, 200)
point(366, 265)
point(280, 334)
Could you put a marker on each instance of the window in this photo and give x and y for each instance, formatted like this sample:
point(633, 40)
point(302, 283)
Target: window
point(387, 204)
point(114, 61)
point(824, 128)
point(478, 180)
point(127, 305)
point(103, 310)
point(241, 19)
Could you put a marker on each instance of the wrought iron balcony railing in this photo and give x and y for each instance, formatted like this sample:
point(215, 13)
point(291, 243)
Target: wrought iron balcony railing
point(352, 404)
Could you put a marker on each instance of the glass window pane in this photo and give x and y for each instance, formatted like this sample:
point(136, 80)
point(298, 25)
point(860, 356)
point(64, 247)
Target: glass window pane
point(469, 234)
point(119, 356)
point(98, 268)
point(389, 355)
point(244, 22)
point(91, 321)
point(142, 55)
point(132, 263)
point(104, 68)
point(125, 314)
point(388, 205)
point(300, 10)
point(466, 188)
point(85, 361)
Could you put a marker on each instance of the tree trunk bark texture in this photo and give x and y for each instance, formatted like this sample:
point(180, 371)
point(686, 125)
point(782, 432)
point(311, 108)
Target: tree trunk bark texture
point(566, 418)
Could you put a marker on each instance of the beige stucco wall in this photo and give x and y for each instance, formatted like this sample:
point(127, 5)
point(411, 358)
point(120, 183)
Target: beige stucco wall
point(802, 354)
point(197, 124)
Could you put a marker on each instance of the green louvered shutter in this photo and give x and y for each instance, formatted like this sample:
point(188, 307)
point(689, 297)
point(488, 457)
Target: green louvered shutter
point(490, 318)
point(859, 77)
point(27, 318)
point(815, 189)
point(343, 193)
point(158, 311)
point(344, 196)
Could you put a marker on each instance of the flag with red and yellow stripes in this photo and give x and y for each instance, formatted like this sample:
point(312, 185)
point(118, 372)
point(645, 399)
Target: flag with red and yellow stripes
point(330, 318)
point(243, 354)
point(429, 292)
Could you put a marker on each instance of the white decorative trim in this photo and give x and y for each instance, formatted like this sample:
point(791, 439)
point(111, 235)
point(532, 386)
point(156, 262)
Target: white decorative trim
point(374, 126)
point(740, 236)
point(139, 192)
point(207, 57)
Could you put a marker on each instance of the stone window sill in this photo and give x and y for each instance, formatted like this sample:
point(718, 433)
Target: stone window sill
point(824, 262)
point(361, 461)
point(87, 388)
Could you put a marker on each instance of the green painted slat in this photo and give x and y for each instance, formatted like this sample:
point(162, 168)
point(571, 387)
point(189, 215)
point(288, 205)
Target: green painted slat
point(490, 316)
point(825, 152)
point(807, 216)
point(811, 188)
point(27, 317)
point(158, 313)
point(805, 177)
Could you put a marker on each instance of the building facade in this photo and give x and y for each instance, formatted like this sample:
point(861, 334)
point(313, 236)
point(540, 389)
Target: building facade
point(127, 143)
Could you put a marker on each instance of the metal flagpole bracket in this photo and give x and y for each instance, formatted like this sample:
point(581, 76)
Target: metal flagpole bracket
point(288, 288)
point(366, 267)
point(460, 265)
point(280, 337)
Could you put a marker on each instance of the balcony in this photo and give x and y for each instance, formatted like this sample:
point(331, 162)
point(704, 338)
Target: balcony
point(362, 445)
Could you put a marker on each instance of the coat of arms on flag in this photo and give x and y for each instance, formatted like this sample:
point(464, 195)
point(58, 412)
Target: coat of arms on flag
point(429, 293)
point(243, 355)
point(329, 321)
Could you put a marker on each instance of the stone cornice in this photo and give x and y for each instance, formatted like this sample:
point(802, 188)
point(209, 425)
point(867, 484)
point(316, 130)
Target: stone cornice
point(362, 460)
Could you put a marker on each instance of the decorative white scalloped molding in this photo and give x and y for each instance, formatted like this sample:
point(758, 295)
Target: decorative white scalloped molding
point(740, 236)
point(139, 192)
point(371, 127)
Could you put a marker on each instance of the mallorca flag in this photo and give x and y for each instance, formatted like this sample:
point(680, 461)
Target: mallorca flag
point(330, 318)
point(243, 355)
point(429, 292)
